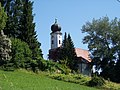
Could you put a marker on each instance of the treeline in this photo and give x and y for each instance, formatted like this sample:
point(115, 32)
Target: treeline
point(20, 29)
point(103, 39)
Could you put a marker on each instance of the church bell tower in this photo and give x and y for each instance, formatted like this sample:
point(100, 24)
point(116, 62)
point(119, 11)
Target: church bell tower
point(56, 35)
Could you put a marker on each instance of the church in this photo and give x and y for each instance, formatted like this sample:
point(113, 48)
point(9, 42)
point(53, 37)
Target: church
point(83, 56)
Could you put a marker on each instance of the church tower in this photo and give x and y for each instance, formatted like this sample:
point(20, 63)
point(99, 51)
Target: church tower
point(56, 35)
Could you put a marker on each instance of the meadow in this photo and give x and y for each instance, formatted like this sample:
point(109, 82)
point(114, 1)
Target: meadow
point(24, 80)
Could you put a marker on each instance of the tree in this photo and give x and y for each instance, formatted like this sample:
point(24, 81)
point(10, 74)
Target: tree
point(103, 42)
point(3, 18)
point(5, 43)
point(21, 54)
point(14, 10)
point(27, 30)
point(20, 24)
point(117, 72)
point(68, 55)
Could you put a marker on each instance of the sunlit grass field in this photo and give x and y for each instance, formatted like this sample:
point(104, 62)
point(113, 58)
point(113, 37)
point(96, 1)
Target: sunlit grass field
point(23, 80)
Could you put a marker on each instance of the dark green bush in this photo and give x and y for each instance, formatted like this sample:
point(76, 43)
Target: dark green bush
point(8, 67)
point(21, 54)
point(96, 81)
point(51, 66)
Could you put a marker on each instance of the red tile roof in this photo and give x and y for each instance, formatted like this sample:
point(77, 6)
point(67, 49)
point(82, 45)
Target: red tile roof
point(83, 53)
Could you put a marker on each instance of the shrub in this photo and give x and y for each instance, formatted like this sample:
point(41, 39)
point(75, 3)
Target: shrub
point(53, 67)
point(5, 48)
point(78, 78)
point(8, 67)
point(96, 81)
point(21, 54)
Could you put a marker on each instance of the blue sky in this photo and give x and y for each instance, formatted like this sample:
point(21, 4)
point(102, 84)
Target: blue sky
point(71, 15)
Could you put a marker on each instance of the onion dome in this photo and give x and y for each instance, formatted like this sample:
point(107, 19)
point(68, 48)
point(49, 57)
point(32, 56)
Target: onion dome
point(55, 27)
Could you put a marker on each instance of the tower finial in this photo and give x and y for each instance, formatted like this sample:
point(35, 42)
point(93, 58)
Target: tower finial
point(55, 20)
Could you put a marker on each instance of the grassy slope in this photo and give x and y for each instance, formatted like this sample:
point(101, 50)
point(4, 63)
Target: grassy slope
point(22, 80)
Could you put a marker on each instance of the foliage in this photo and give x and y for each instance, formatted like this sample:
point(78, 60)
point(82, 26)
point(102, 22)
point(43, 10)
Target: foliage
point(68, 51)
point(13, 8)
point(5, 43)
point(27, 30)
point(78, 78)
point(96, 81)
point(53, 67)
point(117, 72)
point(3, 18)
point(24, 80)
point(20, 24)
point(111, 86)
point(21, 54)
point(103, 42)
point(5, 49)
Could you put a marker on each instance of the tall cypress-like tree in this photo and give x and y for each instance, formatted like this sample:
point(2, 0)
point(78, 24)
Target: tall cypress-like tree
point(27, 30)
point(72, 53)
point(68, 55)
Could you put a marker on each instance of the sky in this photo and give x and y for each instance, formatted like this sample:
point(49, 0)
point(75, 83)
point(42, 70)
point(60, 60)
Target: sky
point(71, 15)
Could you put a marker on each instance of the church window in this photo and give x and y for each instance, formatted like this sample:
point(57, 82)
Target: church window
point(59, 42)
point(52, 42)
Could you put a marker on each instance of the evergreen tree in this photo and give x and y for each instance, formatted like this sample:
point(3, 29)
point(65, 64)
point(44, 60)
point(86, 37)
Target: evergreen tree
point(68, 55)
point(71, 53)
point(27, 30)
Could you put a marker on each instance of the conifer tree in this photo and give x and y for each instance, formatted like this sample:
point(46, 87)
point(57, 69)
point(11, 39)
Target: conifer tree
point(68, 54)
point(27, 30)
point(71, 53)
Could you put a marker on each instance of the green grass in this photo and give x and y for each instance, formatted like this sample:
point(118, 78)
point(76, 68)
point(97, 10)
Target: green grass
point(23, 80)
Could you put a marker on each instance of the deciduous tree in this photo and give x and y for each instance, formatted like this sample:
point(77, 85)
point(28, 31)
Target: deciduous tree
point(5, 43)
point(103, 38)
